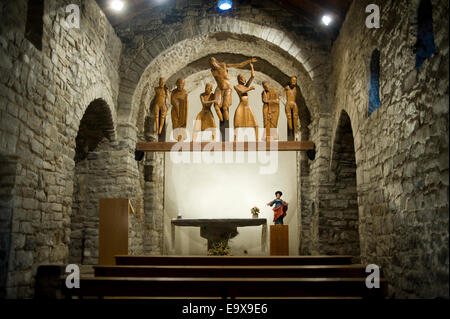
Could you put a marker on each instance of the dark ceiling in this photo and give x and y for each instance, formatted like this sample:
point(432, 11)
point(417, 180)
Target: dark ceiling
point(311, 11)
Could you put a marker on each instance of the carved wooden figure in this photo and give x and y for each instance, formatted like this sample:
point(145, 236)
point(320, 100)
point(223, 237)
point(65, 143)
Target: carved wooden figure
point(179, 113)
point(290, 92)
point(244, 116)
point(271, 111)
point(162, 94)
point(205, 119)
point(223, 91)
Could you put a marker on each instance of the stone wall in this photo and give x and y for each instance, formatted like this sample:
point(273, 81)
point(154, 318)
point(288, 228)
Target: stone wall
point(319, 184)
point(152, 184)
point(43, 96)
point(8, 170)
point(400, 151)
point(402, 148)
point(154, 203)
point(102, 175)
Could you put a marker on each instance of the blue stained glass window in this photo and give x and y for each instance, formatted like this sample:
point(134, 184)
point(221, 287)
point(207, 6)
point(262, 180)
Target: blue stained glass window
point(374, 85)
point(425, 46)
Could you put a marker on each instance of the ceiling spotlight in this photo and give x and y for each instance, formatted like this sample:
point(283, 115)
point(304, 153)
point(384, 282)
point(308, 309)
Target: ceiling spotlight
point(225, 5)
point(326, 19)
point(117, 5)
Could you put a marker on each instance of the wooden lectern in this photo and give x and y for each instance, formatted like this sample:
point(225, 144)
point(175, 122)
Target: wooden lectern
point(113, 229)
point(279, 240)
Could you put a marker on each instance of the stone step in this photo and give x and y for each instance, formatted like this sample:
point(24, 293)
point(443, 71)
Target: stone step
point(232, 260)
point(342, 271)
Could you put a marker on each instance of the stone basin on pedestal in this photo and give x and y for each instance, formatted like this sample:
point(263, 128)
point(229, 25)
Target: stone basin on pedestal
point(215, 230)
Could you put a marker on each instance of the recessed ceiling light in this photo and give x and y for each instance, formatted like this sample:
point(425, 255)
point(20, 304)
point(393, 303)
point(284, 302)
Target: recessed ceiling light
point(117, 5)
point(225, 5)
point(326, 19)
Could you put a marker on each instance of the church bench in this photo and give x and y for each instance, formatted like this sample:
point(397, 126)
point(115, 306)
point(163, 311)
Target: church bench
point(310, 271)
point(232, 260)
point(223, 287)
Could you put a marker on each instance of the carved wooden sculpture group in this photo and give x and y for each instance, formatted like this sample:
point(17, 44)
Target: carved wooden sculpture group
point(222, 100)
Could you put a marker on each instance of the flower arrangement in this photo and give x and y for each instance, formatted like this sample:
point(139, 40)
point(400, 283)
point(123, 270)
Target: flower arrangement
point(220, 248)
point(255, 211)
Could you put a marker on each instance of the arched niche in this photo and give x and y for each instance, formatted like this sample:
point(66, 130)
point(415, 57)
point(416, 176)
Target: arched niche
point(136, 78)
point(95, 133)
point(199, 70)
point(338, 220)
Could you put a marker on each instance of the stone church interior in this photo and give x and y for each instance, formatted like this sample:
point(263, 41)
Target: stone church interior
point(224, 149)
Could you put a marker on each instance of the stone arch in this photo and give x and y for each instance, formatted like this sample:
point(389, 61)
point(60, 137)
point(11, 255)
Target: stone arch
point(96, 132)
point(167, 55)
point(96, 125)
point(339, 221)
point(190, 41)
point(266, 70)
point(98, 93)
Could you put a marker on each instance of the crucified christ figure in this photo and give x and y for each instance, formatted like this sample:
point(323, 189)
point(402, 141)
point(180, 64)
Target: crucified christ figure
point(224, 89)
point(290, 92)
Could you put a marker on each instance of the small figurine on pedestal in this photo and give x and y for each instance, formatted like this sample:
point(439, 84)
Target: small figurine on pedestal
point(279, 209)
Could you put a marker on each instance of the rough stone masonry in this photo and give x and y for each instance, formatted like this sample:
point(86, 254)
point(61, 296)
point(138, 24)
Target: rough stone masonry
point(72, 111)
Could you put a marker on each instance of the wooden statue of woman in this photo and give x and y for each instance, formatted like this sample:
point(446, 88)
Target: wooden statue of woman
point(179, 113)
point(244, 116)
point(162, 93)
point(205, 119)
point(271, 111)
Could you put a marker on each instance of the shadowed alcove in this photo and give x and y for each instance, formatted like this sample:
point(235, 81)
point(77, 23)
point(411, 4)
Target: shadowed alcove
point(96, 131)
point(338, 222)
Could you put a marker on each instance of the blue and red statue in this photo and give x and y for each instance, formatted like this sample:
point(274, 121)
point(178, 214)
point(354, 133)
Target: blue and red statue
point(279, 209)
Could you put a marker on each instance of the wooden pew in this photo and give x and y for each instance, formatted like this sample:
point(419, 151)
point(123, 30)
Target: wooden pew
point(224, 287)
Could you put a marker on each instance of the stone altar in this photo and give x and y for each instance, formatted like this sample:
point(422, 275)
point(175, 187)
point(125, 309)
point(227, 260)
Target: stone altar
point(219, 229)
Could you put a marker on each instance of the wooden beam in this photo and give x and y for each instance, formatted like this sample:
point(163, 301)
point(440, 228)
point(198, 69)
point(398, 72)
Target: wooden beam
point(224, 146)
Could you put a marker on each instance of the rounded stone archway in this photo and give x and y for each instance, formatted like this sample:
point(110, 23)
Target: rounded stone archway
point(95, 133)
point(338, 221)
point(166, 56)
point(185, 53)
point(199, 70)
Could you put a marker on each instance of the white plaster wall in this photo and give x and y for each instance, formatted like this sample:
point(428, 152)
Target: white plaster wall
point(227, 190)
